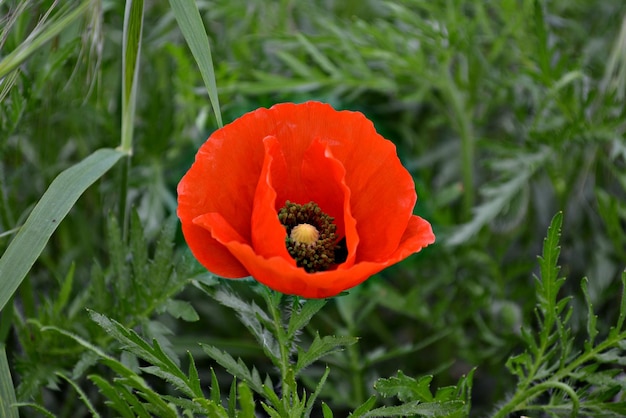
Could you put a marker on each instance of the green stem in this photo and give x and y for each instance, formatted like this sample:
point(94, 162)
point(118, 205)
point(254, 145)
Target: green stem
point(464, 127)
point(521, 399)
point(524, 394)
point(286, 373)
point(356, 372)
point(131, 51)
point(123, 217)
point(584, 358)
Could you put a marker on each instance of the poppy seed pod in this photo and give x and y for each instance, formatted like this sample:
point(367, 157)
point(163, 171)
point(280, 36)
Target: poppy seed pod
point(255, 181)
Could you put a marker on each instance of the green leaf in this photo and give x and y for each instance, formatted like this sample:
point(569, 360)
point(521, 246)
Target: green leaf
point(431, 409)
point(254, 319)
point(190, 23)
point(327, 412)
point(194, 378)
point(131, 51)
point(46, 216)
point(130, 340)
point(173, 378)
point(156, 403)
point(548, 262)
point(465, 385)
point(7, 393)
point(321, 347)
point(364, 407)
point(603, 379)
point(612, 356)
point(271, 411)
point(446, 393)
point(66, 289)
point(301, 317)
point(197, 405)
point(405, 388)
point(592, 330)
point(246, 400)
point(236, 367)
point(499, 195)
point(618, 408)
point(162, 365)
point(181, 309)
point(232, 399)
point(311, 402)
point(37, 408)
point(86, 360)
point(215, 394)
point(298, 403)
point(138, 407)
point(109, 361)
point(113, 395)
point(270, 395)
point(81, 394)
point(321, 59)
point(303, 70)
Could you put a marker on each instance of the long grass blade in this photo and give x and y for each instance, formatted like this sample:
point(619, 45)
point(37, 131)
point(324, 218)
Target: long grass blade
point(7, 393)
point(133, 24)
point(46, 216)
point(190, 23)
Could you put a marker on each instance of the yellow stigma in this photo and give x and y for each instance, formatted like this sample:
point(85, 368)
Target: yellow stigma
point(305, 234)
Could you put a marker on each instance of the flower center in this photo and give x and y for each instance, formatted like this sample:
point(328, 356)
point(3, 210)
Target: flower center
point(304, 234)
point(311, 238)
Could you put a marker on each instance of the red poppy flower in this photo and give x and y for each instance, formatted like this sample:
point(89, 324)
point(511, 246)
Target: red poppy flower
point(308, 200)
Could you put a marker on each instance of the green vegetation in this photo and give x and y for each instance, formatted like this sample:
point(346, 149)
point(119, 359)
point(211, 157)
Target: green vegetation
point(510, 115)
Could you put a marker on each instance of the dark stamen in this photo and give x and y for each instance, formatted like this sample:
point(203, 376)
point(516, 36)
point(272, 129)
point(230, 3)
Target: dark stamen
point(316, 256)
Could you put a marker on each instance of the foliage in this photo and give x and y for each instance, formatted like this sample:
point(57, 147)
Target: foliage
point(505, 112)
point(576, 381)
point(149, 283)
point(277, 337)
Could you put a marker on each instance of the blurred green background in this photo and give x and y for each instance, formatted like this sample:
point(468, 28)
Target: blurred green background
point(505, 112)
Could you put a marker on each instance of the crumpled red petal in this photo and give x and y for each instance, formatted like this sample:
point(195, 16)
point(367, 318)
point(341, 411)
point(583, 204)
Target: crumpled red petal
point(319, 178)
point(279, 274)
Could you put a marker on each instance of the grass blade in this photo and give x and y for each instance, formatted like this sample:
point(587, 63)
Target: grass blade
point(7, 393)
point(133, 23)
point(40, 37)
point(81, 394)
point(190, 23)
point(47, 215)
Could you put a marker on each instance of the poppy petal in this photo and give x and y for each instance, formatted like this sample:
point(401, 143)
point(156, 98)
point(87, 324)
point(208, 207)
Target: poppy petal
point(382, 190)
point(418, 234)
point(268, 234)
point(323, 178)
point(321, 181)
point(280, 275)
point(209, 251)
point(222, 179)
